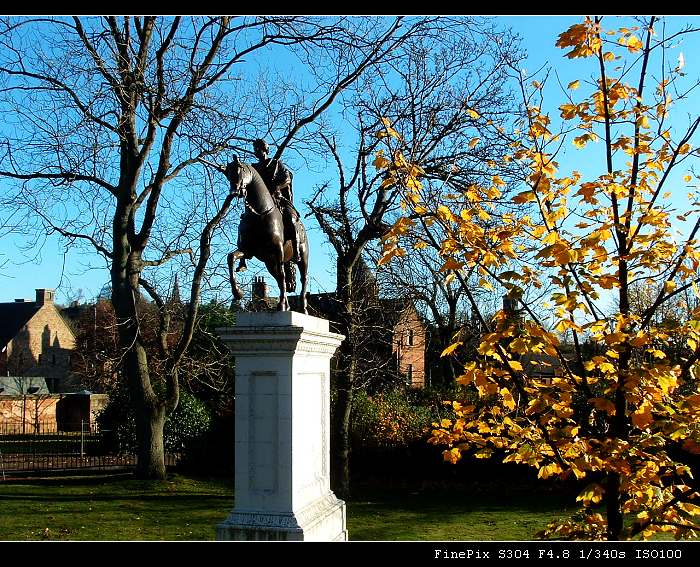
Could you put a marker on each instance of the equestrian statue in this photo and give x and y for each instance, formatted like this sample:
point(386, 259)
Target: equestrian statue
point(270, 229)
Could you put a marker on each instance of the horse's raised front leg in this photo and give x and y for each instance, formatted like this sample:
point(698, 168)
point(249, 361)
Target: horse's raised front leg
point(235, 288)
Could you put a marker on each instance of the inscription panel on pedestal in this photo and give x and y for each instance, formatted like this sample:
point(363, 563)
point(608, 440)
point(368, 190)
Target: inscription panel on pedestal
point(311, 397)
point(263, 432)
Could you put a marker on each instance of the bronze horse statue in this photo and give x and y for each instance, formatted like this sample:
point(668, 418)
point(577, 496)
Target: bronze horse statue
point(261, 234)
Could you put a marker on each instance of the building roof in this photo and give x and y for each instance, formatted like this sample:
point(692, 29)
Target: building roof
point(14, 316)
point(393, 309)
point(21, 385)
point(386, 312)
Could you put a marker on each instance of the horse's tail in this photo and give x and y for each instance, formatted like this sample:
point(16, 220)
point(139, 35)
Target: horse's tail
point(290, 276)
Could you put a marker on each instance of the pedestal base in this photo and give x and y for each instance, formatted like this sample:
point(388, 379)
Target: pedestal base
point(282, 484)
point(323, 520)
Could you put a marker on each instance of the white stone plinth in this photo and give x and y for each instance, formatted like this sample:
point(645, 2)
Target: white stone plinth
point(282, 484)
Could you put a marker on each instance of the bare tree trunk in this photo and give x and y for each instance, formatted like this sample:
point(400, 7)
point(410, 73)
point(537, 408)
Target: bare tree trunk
point(612, 507)
point(345, 381)
point(150, 417)
point(341, 430)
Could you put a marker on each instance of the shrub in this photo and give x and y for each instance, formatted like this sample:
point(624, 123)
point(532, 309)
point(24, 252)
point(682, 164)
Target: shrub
point(183, 430)
point(388, 419)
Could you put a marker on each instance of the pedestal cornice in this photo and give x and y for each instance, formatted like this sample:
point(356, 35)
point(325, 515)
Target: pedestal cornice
point(251, 341)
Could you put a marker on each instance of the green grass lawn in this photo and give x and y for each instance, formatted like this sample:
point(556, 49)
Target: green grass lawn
point(113, 508)
point(184, 508)
point(481, 512)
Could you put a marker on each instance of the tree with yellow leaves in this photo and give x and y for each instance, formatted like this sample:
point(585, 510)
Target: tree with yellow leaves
point(619, 412)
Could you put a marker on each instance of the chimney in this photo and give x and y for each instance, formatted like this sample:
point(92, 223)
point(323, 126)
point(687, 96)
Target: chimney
point(44, 296)
point(259, 288)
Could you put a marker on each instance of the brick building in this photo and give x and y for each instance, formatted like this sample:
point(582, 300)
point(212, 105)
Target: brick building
point(35, 340)
point(408, 340)
point(393, 335)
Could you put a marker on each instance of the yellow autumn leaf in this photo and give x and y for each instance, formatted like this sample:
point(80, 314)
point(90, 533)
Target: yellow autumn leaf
point(482, 214)
point(667, 382)
point(515, 365)
point(393, 133)
point(573, 85)
point(592, 494)
point(389, 254)
point(549, 470)
point(452, 456)
point(473, 142)
point(388, 182)
point(640, 339)
point(450, 349)
point(508, 400)
point(444, 212)
point(380, 162)
point(524, 197)
point(473, 113)
point(669, 286)
point(634, 44)
point(581, 141)
point(687, 178)
point(497, 181)
point(642, 418)
point(587, 191)
point(583, 38)
point(519, 346)
point(615, 338)
point(451, 264)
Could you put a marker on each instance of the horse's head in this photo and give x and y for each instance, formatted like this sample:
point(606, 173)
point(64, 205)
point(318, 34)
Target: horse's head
point(239, 176)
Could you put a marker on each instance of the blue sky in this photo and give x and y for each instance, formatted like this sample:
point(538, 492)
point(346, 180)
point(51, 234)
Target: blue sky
point(66, 271)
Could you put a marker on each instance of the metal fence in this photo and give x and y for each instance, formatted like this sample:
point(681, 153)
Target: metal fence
point(41, 446)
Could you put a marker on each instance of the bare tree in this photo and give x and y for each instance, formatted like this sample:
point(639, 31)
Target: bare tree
point(442, 303)
point(109, 121)
point(427, 95)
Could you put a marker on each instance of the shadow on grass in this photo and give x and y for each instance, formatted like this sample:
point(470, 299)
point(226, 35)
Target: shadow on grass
point(478, 512)
point(114, 487)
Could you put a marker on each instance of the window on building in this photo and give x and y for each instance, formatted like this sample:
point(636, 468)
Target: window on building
point(409, 374)
point(410, 337)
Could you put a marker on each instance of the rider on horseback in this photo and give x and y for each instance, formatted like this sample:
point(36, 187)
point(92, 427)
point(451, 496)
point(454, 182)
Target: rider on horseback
point(278, 180)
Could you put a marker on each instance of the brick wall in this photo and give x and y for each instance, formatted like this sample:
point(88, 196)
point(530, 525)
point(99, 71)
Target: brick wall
point(20, 414)
point(62, 411)
point(409, 347)
point(41, 348)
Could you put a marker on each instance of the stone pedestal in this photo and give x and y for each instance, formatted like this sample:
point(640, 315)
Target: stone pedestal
point(283, 430)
